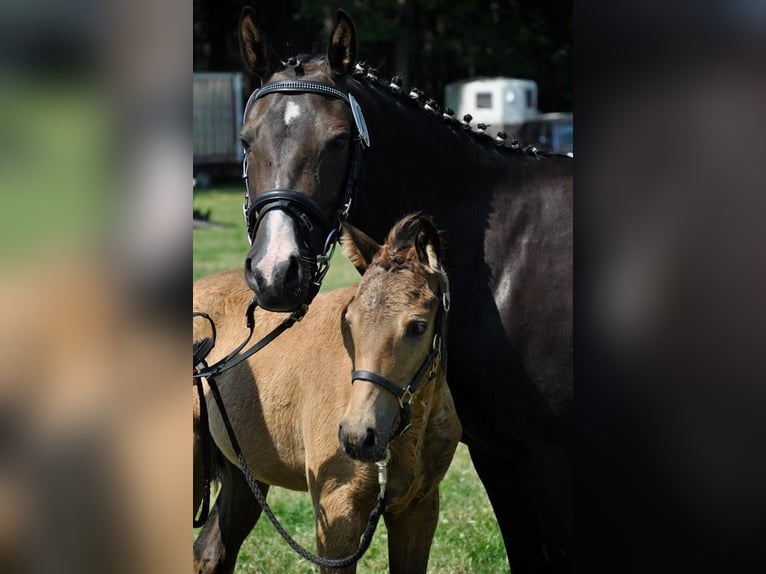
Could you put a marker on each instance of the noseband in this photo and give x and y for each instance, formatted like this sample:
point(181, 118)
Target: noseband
point(300, 206)
point(437, 357)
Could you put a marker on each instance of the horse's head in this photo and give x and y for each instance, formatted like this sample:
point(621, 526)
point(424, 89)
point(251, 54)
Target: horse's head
point(397, 321)
point(299, 135)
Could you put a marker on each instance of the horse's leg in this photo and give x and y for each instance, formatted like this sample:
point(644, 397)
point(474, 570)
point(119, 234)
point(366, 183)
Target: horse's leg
point(519, 510)
point(231, 519)
point(410, 534)
point(339, 525)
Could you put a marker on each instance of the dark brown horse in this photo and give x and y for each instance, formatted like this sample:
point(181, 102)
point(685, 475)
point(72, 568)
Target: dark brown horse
point(295, 414)
point(507, 217)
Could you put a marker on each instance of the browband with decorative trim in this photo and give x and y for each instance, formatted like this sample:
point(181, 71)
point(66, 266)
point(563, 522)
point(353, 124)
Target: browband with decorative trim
point(302, 86)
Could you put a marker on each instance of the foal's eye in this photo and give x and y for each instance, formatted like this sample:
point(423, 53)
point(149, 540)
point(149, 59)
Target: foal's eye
point(416, 328)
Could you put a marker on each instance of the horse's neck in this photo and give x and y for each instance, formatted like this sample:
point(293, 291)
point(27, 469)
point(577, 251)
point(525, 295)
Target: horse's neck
point(418, 163)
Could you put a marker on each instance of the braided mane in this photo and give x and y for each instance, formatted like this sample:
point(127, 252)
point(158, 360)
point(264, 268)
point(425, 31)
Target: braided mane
point(414, 98)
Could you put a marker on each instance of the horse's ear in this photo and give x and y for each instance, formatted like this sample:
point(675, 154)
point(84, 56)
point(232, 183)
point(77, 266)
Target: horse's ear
point(255, 50)
point(359, 247)
point(428, 243)
point(341, 50)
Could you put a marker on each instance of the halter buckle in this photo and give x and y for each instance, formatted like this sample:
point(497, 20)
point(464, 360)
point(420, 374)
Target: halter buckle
point(406, 397)
point(307, 222)
point(437, 344)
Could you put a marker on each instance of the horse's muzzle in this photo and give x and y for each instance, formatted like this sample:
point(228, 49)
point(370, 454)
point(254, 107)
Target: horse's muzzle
point(279, 266)
point(281, 291)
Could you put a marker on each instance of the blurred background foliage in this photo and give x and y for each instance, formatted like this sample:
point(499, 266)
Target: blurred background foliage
point(429, 43)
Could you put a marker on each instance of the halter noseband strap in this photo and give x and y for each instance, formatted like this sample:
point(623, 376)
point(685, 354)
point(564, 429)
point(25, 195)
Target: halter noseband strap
point(297, 204)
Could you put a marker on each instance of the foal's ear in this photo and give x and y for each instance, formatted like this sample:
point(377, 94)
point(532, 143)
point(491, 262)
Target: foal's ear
point(428, 243)
point(359, 247)
point(341, 50)
point(253, 45)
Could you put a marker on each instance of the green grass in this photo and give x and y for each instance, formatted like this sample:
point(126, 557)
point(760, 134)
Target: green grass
point(467, 539)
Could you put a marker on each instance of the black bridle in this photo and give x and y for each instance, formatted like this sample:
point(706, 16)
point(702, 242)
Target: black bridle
point(302, 208)
point(437, 357)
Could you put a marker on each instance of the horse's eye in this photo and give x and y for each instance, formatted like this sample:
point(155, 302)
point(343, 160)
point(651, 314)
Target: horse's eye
point(339, 142)
point(416, 328)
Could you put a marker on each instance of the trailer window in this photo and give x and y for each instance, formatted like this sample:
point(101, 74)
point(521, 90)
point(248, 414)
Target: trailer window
point(484, 100)
point(530, 98)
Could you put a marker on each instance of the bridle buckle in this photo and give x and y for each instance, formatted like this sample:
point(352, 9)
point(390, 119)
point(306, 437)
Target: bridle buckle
point(406, 397)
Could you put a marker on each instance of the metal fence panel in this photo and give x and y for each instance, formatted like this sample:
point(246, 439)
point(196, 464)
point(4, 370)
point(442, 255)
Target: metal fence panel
point(217, 117)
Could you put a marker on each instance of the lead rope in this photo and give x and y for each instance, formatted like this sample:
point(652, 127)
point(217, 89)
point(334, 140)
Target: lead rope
point(198, 521)
point(372, 522)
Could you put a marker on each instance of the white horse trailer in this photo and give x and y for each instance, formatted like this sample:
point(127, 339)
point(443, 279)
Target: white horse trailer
point(501, 103)
point(217, 119)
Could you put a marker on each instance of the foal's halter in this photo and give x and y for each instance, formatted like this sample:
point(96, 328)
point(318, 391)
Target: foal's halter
point(437, 357)
point(300, 206)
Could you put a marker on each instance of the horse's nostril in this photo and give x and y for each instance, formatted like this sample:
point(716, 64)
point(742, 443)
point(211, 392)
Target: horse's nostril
point(292, 271)
point(369, 441)
point(253, 276)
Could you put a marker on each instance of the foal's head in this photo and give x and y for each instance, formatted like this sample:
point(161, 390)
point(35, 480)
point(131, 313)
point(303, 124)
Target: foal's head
point(397, 320)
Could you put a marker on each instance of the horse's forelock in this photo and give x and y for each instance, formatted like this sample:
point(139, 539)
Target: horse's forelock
point(302, 65)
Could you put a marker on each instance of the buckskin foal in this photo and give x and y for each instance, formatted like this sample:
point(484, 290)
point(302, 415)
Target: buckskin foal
point(302, 426)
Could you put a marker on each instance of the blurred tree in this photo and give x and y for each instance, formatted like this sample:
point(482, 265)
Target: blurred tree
point(428, 42)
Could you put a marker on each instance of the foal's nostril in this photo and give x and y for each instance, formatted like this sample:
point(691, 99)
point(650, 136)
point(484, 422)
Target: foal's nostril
point(369, 441)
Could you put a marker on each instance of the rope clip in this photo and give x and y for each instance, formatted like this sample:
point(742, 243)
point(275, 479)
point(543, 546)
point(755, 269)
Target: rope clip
point(383, 473)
